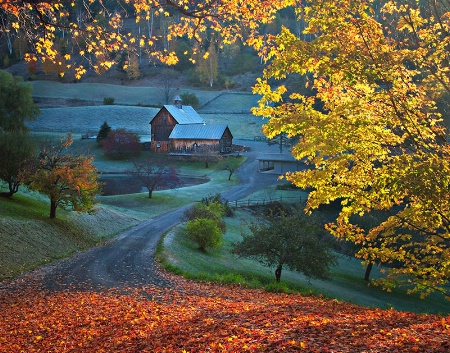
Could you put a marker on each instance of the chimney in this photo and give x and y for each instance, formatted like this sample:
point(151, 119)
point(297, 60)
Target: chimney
point(177, 101)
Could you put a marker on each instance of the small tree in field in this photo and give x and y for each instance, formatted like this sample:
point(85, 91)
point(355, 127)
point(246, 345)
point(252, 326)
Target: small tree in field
point(213, 211)
point(17, 151)
point(16, 103)
point(295, 241)
point(155, 175)
point(205, 233)
point(68, 180)
point(121, 143)
point(190, 99)
point(103, 133)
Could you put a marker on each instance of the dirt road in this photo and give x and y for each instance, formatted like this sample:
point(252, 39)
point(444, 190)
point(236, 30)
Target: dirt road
point(127, 261)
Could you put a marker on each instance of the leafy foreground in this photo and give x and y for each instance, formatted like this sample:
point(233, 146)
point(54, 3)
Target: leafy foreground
point(199, 317)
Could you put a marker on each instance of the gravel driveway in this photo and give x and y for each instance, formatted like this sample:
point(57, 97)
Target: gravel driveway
point(127, 260)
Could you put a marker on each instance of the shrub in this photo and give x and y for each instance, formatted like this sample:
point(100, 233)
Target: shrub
point(205, 233)
point(190, 99)
point(228, 212)
point(108, 101)
point(214, 211)
point(121, 143)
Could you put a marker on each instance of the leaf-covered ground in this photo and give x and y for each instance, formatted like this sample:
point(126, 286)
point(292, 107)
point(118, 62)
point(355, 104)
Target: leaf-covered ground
point(199, 317)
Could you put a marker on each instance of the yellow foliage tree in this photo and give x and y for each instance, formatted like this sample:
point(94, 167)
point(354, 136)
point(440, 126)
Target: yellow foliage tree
point(68, 180)
point(372, 134)
point(96, 31)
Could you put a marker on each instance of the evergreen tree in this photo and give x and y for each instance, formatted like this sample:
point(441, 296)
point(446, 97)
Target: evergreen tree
point(103, 133)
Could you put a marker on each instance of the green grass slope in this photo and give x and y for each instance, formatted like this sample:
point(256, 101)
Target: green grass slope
point(346, 282)
point(29, 238)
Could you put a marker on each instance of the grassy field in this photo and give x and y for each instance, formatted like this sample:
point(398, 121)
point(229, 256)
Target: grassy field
point(216, 101)
point(123, 95)
point(346, 282)
point(82, 120)
point(29, 238)
point(231, 108)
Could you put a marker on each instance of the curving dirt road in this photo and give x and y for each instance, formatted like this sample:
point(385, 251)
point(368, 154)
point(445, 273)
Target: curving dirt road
point(127, 261)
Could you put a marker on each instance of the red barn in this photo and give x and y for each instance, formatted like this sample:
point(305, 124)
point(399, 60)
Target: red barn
point(179, 128)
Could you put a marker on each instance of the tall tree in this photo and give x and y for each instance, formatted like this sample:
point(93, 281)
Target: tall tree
point(296, 242)
point(378, 141)
point(167, 84)
point(208, 66)
point(68, 180)
point(17, 151)
point(16, 104)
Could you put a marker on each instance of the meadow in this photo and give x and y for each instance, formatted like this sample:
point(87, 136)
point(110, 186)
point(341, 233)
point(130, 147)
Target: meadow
point(346, 282)
point(134, 107)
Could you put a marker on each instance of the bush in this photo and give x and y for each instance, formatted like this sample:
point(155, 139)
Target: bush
point(121, 143)
point(205, 233)
point(190, 99)
point(108, 101)
point(214, 211)
point(228, 212)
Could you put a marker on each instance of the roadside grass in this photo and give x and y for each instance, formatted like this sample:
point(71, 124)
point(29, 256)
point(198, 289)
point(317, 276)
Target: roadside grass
point(29, 238)
point(181, 256)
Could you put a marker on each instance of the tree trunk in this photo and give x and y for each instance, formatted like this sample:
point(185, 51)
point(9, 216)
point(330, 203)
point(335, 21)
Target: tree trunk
point(150, 192)
point(13, 188)
point(278, 272)
point(368, 270)
point(53, 206)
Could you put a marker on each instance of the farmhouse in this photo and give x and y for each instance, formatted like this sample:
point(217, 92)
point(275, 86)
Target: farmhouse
point(179, 128)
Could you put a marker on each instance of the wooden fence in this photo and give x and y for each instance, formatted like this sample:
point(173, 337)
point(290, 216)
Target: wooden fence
point(262, 202)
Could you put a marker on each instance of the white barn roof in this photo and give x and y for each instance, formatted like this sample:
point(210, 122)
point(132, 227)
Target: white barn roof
point(200, 132)
point(184, 115)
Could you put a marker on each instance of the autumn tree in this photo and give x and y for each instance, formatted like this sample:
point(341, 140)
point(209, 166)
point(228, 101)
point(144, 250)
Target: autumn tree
point(295, 241)
point(155, 175)
point(68, 180)
point(17, 151)
point(378, 141)
point(133, 72)
point(16, 104)
point(208, 66)
point(121, 143)
point(96, 30)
